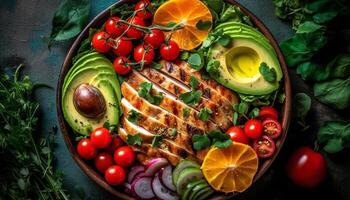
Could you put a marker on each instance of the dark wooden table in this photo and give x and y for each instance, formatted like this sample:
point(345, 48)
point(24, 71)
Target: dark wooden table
point(25, 25)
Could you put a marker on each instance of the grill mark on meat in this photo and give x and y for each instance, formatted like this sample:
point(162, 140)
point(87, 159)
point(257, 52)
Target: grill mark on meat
point(169, 67)
point(182, 75)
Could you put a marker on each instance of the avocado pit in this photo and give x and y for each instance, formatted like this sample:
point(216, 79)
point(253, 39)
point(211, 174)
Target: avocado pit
point(89, 101)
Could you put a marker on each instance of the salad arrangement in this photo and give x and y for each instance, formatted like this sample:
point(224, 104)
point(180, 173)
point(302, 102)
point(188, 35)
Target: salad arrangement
point(175, 101)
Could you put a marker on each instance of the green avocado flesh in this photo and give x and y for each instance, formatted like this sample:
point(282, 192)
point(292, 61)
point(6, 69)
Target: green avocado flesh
point(97, 71)
point(240, 62)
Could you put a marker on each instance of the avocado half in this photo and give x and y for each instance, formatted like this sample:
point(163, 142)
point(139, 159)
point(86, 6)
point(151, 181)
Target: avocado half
point(95, 70)
point(239, 63)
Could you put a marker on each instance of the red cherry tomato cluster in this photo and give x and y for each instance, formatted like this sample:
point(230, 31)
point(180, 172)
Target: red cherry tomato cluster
point(133, 42)
point(111, 157)
point(259, 132)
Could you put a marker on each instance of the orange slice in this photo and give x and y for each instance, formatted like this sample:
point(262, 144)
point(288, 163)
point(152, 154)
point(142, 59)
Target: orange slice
point(231, 169)
point(188, 12)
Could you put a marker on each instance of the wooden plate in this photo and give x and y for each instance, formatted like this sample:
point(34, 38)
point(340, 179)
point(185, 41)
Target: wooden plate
point(68, 133)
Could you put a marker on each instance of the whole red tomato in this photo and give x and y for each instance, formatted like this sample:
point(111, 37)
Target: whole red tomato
point(268, 112)
point(86, 149)
point(306, 168)
point(121, 65)
point(103, 161)
point(155, 38)
point(101, 138)
point(169, 51)
point(124, 156)
point(143, 7)
point(144, 53)
point(253, 128)
point(115, 144)
point(114, 28)
point(100, 42)
point(133, 32)
point(115, 175)
point(122, 47)
point(237, 135)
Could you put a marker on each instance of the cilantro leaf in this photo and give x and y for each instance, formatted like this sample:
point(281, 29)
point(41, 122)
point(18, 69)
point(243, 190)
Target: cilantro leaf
point(196, 61)
point(134, 139)
point(157, 140)
point(155, 65)
point(191, 98)
point(204, 114)
point(213, 68)
point(194, 82)
point(223, 144)
point(220, 139)
point(133, 116)
point(201, 142)
point(268, 73)
point(145, 92)
point(186, 112)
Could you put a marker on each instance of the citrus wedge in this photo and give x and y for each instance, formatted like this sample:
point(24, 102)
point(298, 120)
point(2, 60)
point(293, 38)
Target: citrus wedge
point(188, 12)
point(231, 169)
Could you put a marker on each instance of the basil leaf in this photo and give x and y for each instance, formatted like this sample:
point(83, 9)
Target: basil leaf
point(203, 25)
point(69, 20)
point(204, 114)
point(302, 105)
point(335, 93)
point(268, 73)
point(201, 142)
point(194, 82)
point(312, 71)
point(191, 98)
point(339, 67)
point(308, 27)
point(196, 61)
point(134, 139)
point(334, 136)
point(324, 17)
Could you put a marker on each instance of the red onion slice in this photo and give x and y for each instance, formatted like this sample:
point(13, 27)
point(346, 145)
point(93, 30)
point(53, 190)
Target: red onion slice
point(142, 188)
point(135, 170)
point(153, 166)
point(161, 191)
point(166, 177)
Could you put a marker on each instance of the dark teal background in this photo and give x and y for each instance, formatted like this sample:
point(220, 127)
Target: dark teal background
point(25, 25)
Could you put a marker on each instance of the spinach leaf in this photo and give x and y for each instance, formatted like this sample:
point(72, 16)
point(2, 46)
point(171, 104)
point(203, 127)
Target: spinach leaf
point(312, 71)
point(339, 67)
point(334, 136)
point(268, 73)
point(69, 20)
point(308, 27)
point(302, 105)
point(335, 92)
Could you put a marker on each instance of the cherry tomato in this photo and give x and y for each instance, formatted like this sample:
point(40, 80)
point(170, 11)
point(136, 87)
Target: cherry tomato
point(101, 138)
point(86, 149)
point(253, 128)
point(122, 47)
point(306, 168)
point(103, 161)
point(115, 175)
point(124, 156)
point(268, 112)
point(121, 65)
point(272, 128)
point(100, 42)
point(114, 28)
point(265, 147)
point(145, 53)
point(115, 144)
point(155, 38)
point(169, 51)
point(133, 32)
point(237, 135)
point(143, 7)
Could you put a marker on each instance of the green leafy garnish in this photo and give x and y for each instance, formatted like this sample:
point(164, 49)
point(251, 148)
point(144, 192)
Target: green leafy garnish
point(191, 98)
point(334, 136)
point(301, 107)
point(155, 65)
point(268, 73)
point(203, 25)
point(133, 116)
point(145, 92)
point(194, 82)
point(157, 139)
point(201, 142)
point(225, 40)
point(216, 5)
point(186, 112)
point(171, 24)
point(196, 61)
point(204, 114)
point(69, 20)
point(184, 55)
point(213, 138)
point(213, 68)
point(254, 112)
point(134, 139)
point(173, 132)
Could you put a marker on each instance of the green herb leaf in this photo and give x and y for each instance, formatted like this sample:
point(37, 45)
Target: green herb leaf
point(225, 40)
point(334, 136)
point(302, 105)
point(216, 5)
point(204, 114)
point(69, 20)
point(220, 139)
point(191, 98)
point(201, 142)
point(184, 55)
point(268, 73)
point(155, 65)
point(157, 139)
point(196, 61)
point(308, 27)
point(235, 118)
point(134, 139)
point(335, 93)
point(223, 144)
point(173, 132)
point(186, 112)
point(213, 68)
point(145, 92)
point(194, 82)
point(203, 25)
point(254, 113)
point(133, 116)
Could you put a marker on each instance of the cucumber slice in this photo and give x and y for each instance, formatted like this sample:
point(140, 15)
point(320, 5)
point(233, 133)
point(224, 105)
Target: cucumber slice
point(198, 188)
point(187, 175)
point(187, 192)
point(182, 165)
point(204, 194)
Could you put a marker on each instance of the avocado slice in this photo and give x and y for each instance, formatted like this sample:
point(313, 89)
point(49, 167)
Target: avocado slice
point(198, 188)
point(97, 71)
point(239, 63)
point(187, 192)
point(181, 166)
point(187, 175)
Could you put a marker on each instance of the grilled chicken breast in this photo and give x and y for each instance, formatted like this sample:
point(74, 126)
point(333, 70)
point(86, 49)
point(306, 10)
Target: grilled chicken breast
point(170, 118)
